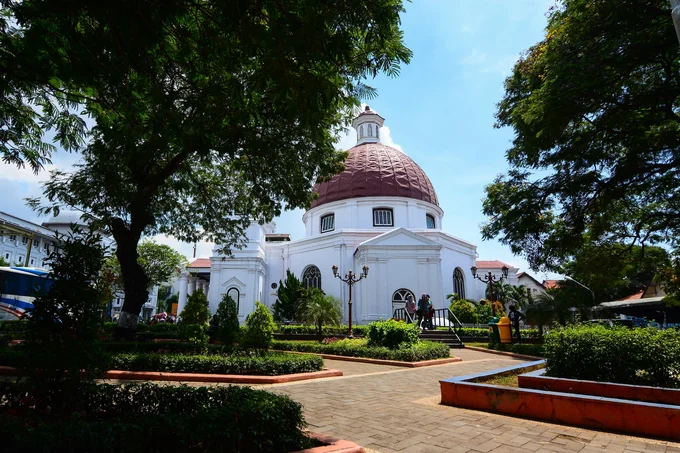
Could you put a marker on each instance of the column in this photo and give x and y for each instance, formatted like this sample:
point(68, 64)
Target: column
point(192, 286)
point(183, 290)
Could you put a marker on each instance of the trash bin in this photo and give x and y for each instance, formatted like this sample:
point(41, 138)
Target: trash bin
point(504, 330)
point(493, 330)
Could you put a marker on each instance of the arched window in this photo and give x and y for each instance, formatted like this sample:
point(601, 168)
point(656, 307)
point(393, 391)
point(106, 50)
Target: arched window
point(383, 217)
point(459, 283)
point(311, 277)
point(235, 295)
point(399, 298)
point(370, 130)
point(429, 221)
point(361, 131)
point(377, 131)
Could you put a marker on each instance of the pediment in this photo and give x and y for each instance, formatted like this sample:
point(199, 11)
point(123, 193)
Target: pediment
point(234, 282)
point(399, 237)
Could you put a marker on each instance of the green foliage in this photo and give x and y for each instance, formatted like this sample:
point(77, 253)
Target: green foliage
point(536, 350)
point(360, 330)
point(195, 335)
point(3, 262)
point(135, 418)
point(202, 128)
point(484, 332)
point(392, 334)
point(289, 296)
point(62, 332)
point(464, 311)
point(423, 350)
point(574, 182)
point(259, 328)
point(227, 319)
point(644, 356)
point(196, 310)
point(485, 313)
point(262, 364)
point(318, 309)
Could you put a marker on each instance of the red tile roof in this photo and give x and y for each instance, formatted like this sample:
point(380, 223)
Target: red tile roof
point(636, 296)
point(549, 284)
point(200, 262)
point(492, 264)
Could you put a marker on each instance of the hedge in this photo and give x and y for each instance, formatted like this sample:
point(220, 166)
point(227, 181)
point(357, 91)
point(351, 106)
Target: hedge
point(424, 350)
point(643, 356)
point(482, 332)
point(359, 330)
point(255, 363)
point(526, 349)
point(263, 364)
point(150, 418)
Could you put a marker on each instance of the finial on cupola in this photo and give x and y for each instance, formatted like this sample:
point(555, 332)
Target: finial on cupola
point(368, 125)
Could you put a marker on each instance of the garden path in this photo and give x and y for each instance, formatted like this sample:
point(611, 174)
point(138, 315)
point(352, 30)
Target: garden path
point(392, 409)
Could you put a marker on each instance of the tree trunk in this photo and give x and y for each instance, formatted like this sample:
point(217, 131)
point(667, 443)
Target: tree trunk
point(135, 280)
point(320, 332)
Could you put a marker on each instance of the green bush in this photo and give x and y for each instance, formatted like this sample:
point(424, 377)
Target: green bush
point(265, 364)
point(424, 350)
point(196, 310)
point(136, 417)
point(358, 331)
point(526, 349)
point(259, 328)
point(464, 311)
point(484, 332)
point(629, 356)
point(392, 334)
point(195, 335)
point(227, 319)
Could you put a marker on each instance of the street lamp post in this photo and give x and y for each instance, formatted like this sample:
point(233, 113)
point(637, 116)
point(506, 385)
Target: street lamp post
point(350, 279)
point(490, 279)
point(675, 14)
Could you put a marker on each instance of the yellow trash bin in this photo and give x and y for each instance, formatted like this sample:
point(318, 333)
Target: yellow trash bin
point(504, 330)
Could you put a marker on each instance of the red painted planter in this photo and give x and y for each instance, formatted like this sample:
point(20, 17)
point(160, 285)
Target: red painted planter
point(630, 417)
point(332, 445)
point(537, 381)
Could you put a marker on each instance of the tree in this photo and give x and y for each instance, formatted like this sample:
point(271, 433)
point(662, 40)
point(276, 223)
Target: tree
point(260, 327)
point(288, 298)
point(160, 263)
point(227, 319)
point(319, 309)
point(207, 115)
point(594, 109)
point(196, 310)
point(3, 262)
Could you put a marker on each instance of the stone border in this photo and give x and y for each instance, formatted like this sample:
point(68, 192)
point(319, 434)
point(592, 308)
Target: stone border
point(199, 377)
point(536, 380)
point(506, 353)
point(594, 412)
point(333, 445)
point(348, 358)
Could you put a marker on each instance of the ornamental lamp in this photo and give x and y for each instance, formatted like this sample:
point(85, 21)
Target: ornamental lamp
point(474, 271)
point(365, 271)
point(335, 270)
point(505, 271)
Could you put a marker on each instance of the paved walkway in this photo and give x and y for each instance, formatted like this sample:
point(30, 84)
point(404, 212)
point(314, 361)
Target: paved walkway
point(388, 409)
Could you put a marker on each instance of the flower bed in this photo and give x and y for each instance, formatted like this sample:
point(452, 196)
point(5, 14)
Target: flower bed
point(424, 350)
point(150, 418)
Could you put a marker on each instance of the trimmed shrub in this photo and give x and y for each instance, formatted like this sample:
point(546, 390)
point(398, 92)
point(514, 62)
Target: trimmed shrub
point(359, 331)
point(464, 311)
point(424, 350)
point(392, 334)
point(195, 335)
point(227, 320)
point(135, 418)
point(196, 310)
point(643, 356)
point(527, 349)
point(264, 364)
point(259, 328)
point(482, 332)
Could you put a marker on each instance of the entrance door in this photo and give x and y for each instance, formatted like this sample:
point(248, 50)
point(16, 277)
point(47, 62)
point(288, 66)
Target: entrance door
point(399, 298)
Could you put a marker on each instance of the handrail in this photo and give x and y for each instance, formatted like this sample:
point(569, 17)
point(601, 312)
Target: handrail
point(402, 314)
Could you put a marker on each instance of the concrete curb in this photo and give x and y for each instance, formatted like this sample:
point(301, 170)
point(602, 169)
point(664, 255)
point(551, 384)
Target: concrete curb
point(509, 354)
point(381, 361)
point(333, 445)
point(199, 377)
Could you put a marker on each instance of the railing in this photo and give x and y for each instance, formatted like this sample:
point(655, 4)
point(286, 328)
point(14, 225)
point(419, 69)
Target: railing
point(400, 314)
point(442, 317)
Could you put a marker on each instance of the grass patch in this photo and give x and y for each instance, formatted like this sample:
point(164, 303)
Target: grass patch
point(509, 380)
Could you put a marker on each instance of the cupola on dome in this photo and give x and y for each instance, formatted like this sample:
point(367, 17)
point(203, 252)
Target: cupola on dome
point(373, 169)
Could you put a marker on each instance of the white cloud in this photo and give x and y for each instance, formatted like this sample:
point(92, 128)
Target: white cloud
point(11, 172)
point(203, 248)
point(386, 138)
point(475, 58)
point(502, 66)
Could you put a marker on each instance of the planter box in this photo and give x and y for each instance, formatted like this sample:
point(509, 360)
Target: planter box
point(332, 445)
point(611, 414)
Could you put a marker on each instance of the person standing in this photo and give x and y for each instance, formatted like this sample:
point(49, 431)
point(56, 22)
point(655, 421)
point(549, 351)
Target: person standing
point(430, 313)
point(515, 318)
point(410, 309)
point(422, 309)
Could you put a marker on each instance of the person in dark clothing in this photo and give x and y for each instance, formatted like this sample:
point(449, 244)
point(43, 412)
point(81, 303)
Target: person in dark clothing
point(515, 318)
point(422, 309)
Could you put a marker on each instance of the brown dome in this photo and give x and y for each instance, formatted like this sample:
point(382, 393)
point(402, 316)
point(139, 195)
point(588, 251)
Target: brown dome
point(376, 170)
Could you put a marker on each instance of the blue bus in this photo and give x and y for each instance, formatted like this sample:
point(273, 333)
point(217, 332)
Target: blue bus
point(18, 288)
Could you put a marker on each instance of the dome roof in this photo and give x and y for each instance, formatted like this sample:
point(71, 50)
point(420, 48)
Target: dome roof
point(377, 170)
point(66, 218)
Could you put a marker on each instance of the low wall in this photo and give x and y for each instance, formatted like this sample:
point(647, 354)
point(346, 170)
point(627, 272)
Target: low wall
point(630, 417)
point(537, 380)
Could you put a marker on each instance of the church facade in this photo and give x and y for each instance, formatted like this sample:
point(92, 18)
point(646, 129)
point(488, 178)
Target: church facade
point(381, 212)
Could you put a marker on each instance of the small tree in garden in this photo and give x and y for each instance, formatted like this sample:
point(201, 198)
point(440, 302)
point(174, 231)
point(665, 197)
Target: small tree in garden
point(196, 310)
point(318, 309)
point(288, 298)
point(464, 311)
point(259, 328)
point(227, 319)
point(62, 332)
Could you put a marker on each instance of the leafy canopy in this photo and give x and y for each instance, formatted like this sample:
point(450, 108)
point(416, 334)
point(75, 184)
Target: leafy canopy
point(594, 107)
point(159, 261)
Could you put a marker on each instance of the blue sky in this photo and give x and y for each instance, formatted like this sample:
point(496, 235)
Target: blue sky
point(440, 111)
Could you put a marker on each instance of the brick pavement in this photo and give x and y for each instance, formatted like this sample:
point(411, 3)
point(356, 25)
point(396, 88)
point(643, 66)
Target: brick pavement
point(388, 409)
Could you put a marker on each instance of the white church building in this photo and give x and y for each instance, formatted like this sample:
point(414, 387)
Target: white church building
point(382, 212)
